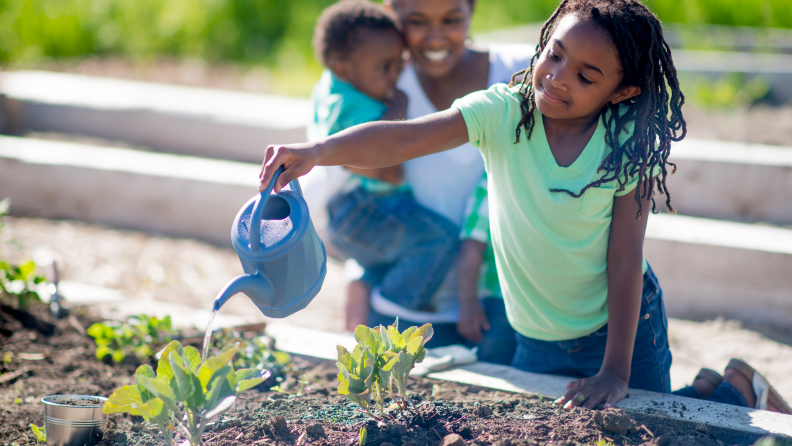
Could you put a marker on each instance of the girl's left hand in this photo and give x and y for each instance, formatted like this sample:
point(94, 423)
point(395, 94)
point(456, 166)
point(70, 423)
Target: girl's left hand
point(605, 386)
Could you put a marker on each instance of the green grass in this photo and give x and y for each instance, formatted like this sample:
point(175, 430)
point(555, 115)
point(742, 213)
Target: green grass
point(276, 34)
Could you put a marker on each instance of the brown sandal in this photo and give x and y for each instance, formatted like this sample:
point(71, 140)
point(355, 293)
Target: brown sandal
point(764, 392)
point(711, 376)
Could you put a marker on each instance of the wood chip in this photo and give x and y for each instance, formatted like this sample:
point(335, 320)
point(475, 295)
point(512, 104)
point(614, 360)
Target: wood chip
point(32, 356)
point(5, 377)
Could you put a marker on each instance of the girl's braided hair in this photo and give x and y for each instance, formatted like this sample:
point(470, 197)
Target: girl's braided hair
point(646, 63)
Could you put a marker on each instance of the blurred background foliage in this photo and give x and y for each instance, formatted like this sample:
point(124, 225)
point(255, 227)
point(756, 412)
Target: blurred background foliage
point(273, 34)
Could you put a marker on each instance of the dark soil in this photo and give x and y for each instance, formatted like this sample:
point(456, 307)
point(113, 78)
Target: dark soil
point(86, 402)
point(445, 414)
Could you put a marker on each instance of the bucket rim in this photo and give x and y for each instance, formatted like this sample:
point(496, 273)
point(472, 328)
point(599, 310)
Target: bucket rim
point(48, 400)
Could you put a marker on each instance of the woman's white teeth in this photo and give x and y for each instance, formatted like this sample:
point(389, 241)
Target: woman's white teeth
point(436, 55)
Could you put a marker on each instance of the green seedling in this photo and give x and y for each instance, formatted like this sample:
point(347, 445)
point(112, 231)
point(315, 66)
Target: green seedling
point(18, 281)
point(137, 335)
point(380, 358)
point(184, 393)
point(362, 436)
point(39, 432)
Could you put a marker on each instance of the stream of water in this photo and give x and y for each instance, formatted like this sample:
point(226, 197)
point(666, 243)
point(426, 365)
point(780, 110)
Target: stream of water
point(208, 335)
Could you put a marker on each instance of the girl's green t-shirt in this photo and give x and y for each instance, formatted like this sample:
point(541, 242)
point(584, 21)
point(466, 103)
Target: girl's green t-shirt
point(550, 248)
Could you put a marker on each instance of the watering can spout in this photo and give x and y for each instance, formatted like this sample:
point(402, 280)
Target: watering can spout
point(257, 287)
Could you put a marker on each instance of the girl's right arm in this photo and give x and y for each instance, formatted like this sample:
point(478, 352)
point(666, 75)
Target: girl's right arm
point(369, 145)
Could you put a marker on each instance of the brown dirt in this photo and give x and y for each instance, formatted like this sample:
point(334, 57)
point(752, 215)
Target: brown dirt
point(446, 413)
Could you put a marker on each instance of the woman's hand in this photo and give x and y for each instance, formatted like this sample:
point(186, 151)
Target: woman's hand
point(605, 386)
point(472, 321)
point(296, 159)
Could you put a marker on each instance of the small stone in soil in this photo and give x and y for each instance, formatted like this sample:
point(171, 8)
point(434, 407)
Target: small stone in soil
point(616, 421)
point(315, 430)
point(482, 411)
point(280, 425)
point(453, 440)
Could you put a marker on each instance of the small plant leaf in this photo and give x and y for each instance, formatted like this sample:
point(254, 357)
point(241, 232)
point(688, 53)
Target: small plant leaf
point(145, 370)
point(152, 410)
point(211, 365)
point(362, 436)
point(425, 331)
point(219, 390)
point(186, 385)
point(224, 405)
point(249, 378)
point(39, 432)
point(122, 400)
point(164, 370)
point(192, 357)
point(160, 389)
point(395, 338)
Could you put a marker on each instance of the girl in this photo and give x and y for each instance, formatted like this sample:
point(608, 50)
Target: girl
point(574, 149)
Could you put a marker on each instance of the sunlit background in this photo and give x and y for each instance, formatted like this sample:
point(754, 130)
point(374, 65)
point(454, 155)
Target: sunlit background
point(264, 45)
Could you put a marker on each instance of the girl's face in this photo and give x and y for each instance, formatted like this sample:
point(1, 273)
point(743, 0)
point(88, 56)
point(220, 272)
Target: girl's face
point(435, 31)
point(578, 72)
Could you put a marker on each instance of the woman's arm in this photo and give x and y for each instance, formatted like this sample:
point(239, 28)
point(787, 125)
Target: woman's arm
point(374, 144)
point(472, 318)
point(625, 286)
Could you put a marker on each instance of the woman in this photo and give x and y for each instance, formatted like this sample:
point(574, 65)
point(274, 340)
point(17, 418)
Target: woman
point(443, 68)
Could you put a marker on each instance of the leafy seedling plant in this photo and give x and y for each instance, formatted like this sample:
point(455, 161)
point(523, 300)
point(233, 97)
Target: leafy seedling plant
point(184, 393)
point(138, 335)
point(381, 358)
point(18, 282)
point(40, 433)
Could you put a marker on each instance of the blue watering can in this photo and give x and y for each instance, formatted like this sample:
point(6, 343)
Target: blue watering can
point(281, 253)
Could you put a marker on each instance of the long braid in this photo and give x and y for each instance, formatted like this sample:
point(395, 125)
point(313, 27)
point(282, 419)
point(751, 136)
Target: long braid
point(656, 115)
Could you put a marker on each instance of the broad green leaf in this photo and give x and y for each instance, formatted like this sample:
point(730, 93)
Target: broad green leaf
point(122, 400)
point(415, 345)
point(282, 358)
point(118, 355)
point(220, 390)
point(368, 336)
point(186, 385)
point(249, 378)
point(215, 363)
point(26, 269)
point(160, 389)
point(164, 370)
point(192, 357)
point(102, 351)
point(220, 408)
point(404, 365)
point(39, 432)
point(152, 410)
point(223, 372)
point(425, 331)
point(343, 387)
point(396, 339)
point(408, 332)
point(145, 370)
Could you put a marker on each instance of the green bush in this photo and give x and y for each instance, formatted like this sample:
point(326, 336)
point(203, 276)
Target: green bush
point(272, 32)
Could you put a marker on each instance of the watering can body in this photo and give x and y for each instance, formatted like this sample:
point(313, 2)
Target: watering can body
point(284, 259)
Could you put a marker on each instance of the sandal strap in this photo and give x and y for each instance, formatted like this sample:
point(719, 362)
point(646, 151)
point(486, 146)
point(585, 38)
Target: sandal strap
point(711, 376)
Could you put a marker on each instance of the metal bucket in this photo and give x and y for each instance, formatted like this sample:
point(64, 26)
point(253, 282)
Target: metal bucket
point(73, 425)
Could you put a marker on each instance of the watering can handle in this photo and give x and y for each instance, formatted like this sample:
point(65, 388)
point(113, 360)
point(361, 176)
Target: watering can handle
point(258, 208)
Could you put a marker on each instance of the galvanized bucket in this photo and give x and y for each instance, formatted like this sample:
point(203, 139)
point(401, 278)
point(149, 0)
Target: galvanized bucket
point(73, 425)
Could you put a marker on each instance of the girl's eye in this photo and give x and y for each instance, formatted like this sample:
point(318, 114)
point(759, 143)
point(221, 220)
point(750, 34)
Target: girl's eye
point(452, 21)
point(554, 56)
point(584, 80)
point(416, 22)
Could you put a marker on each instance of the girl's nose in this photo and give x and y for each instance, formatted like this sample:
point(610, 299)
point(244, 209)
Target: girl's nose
point(556, 80)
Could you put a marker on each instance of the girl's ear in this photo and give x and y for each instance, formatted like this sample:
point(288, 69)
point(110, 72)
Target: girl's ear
point(625, 93)
point(388, 4)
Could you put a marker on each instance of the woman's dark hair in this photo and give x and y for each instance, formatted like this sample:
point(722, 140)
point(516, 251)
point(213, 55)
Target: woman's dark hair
point(337, 28)
point(657, 115)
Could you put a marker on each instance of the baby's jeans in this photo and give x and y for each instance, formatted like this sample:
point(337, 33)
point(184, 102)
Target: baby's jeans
point(582, 357)
point(407, 247)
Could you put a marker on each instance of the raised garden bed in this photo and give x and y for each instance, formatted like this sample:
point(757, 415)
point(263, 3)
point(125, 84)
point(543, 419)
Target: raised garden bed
point(446, 413)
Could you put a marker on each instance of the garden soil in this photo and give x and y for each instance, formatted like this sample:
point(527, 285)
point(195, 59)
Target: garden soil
point(445, 414)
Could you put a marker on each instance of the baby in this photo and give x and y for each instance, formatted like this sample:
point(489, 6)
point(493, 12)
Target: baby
point(404, 248)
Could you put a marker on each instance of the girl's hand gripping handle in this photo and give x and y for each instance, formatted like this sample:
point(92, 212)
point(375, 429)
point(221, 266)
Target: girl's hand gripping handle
point(296, 159)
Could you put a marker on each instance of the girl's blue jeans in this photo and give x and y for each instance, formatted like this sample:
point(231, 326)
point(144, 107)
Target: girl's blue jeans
point(651, 361)
point(497, 345)
point(403, 247)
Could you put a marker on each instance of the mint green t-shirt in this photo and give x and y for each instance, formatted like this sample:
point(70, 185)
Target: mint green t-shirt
point(550, 248)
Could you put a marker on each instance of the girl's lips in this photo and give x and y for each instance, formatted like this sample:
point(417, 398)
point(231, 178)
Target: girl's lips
point(550, 98)
point(436, 56)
